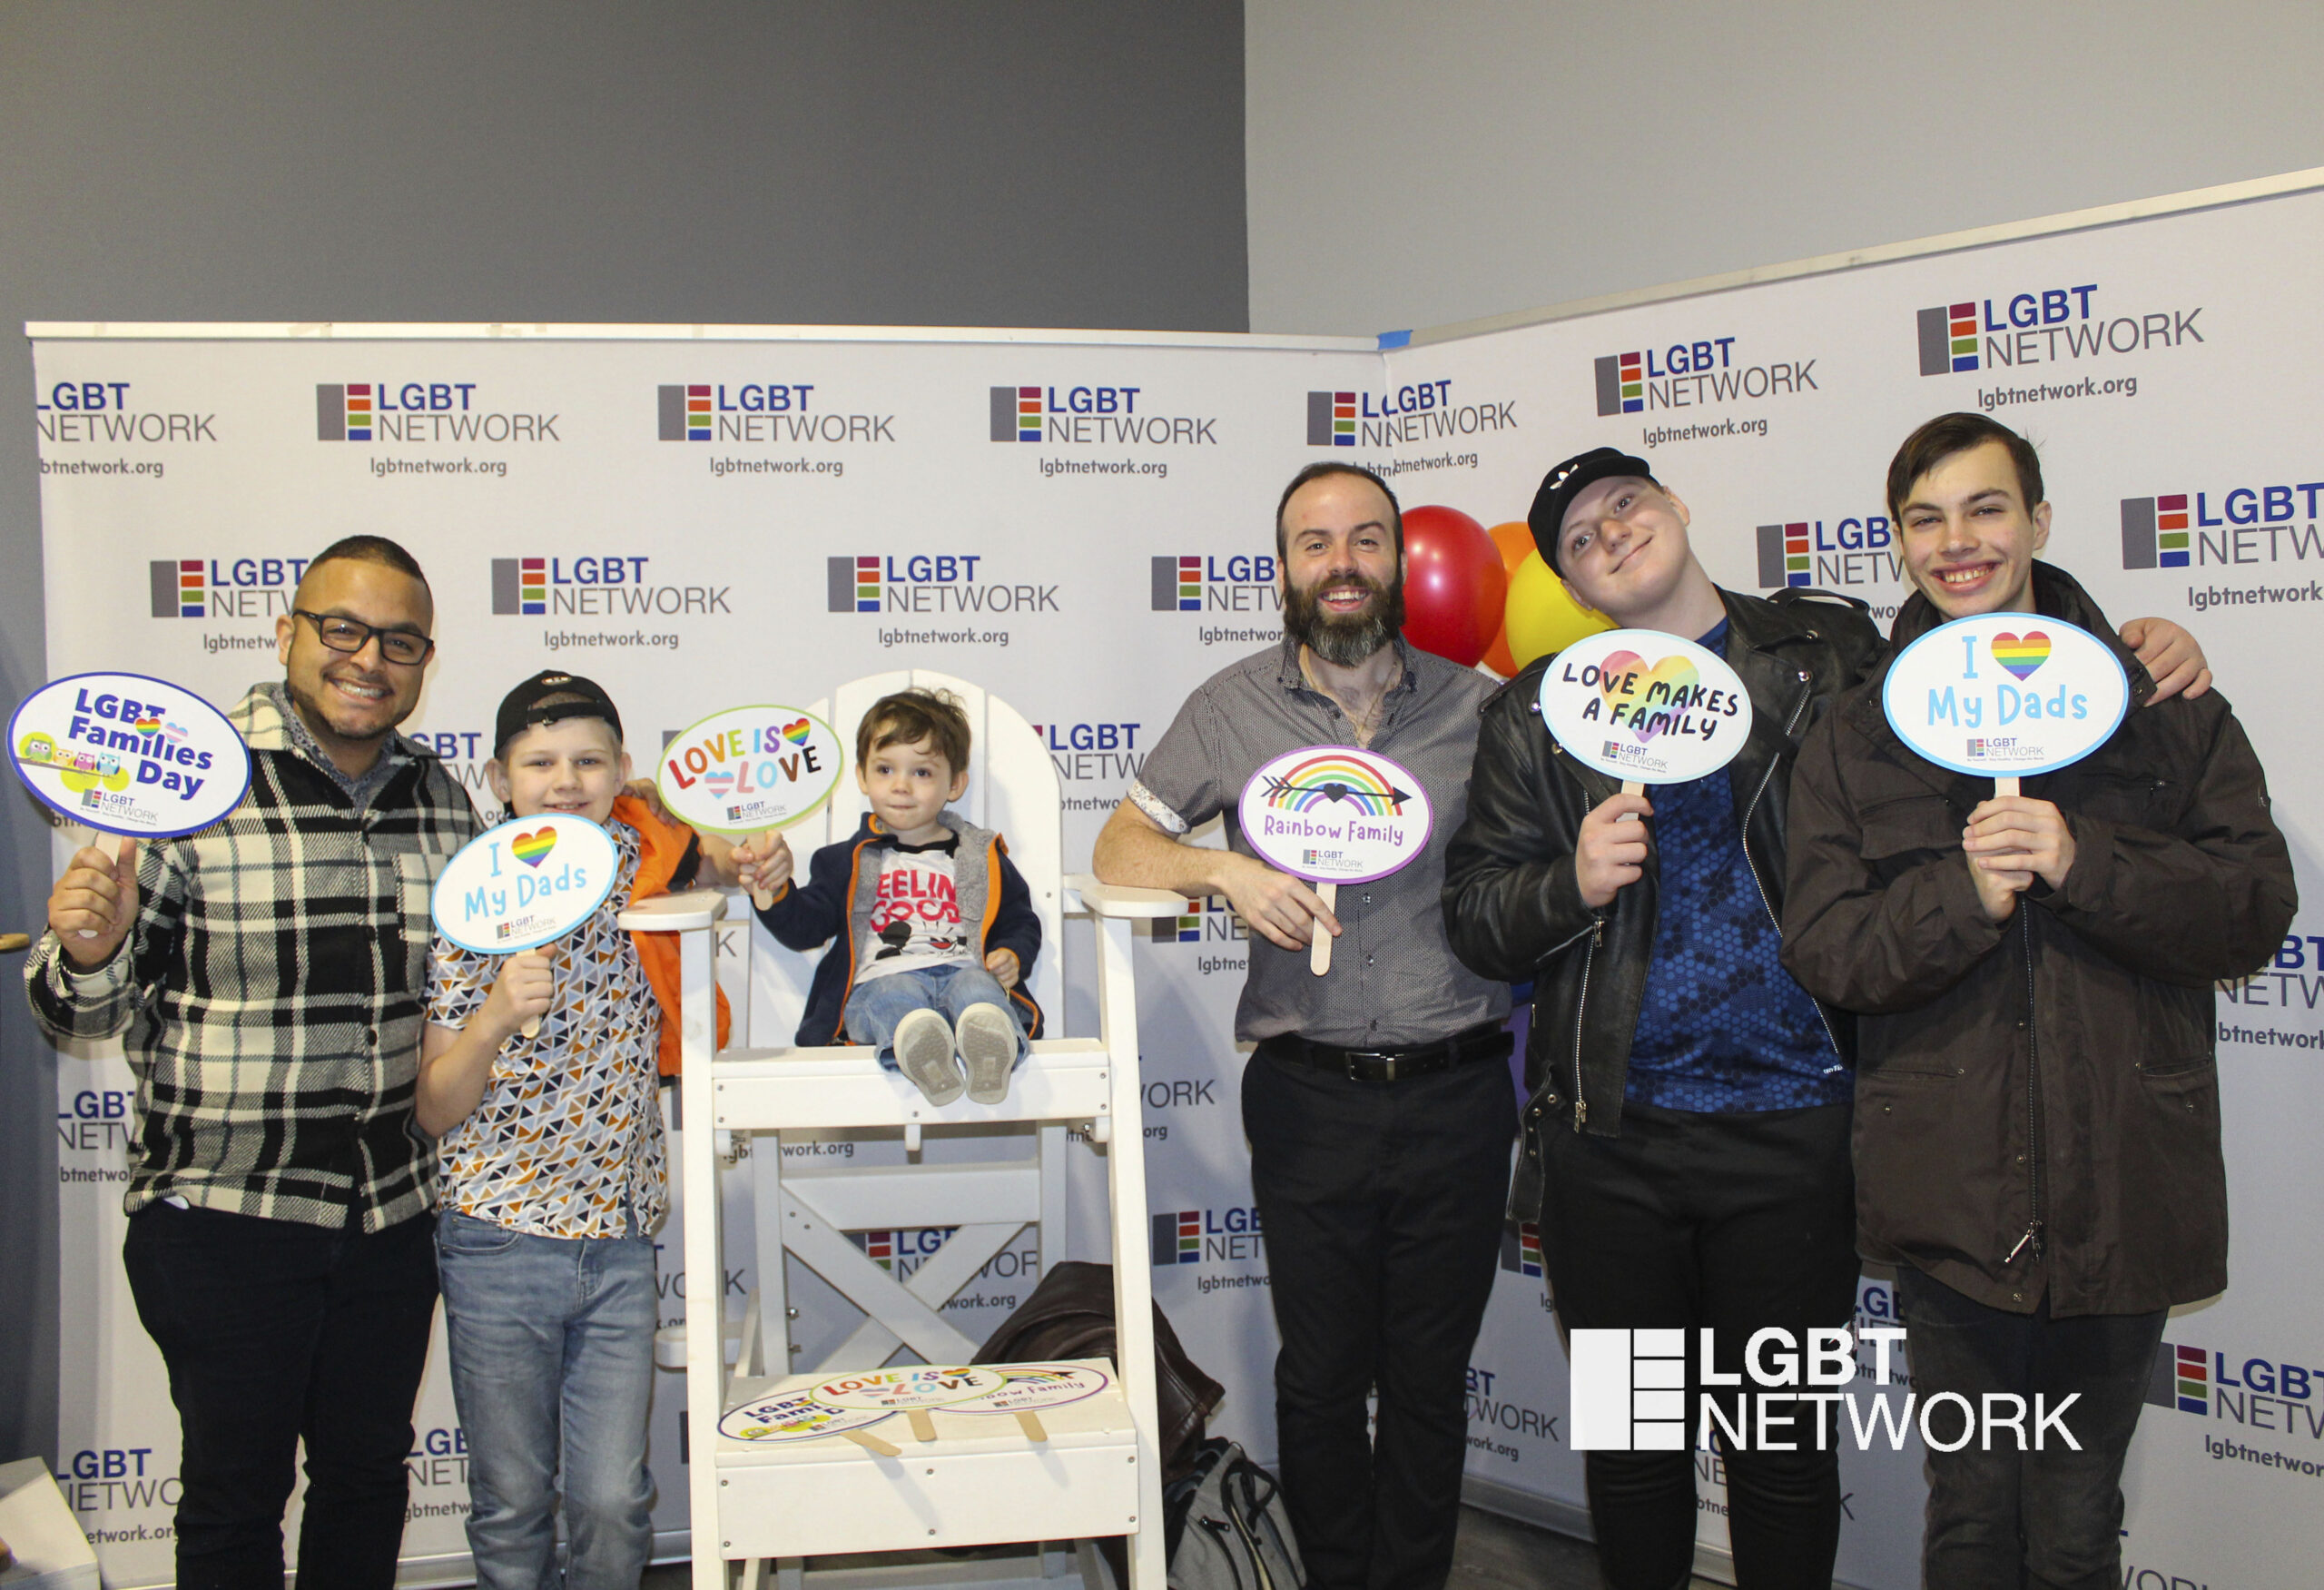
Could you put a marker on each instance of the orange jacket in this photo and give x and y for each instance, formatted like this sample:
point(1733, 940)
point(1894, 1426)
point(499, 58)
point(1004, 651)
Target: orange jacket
point(661, 847)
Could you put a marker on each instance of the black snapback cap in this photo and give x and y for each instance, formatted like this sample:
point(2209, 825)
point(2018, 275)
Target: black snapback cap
point(551, 695)
point(1567, 482)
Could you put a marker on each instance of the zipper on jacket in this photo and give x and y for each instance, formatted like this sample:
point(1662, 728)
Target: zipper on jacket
point(2033, 1233)
point(1745, 835)
point(1580, 1004)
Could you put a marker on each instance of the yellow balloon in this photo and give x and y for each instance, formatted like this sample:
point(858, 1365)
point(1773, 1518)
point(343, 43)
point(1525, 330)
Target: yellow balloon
point(1541, 617)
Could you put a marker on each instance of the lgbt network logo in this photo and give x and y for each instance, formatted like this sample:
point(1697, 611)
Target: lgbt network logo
point(178, 588)
point(1207, 917)
point(1198, 1236)
point(1331, 419)
point(1785, 558)
point(1621, 383)
point(1521, 1249)
point(2154, 531)
point(684, 412)
point(519, 586)
point(1016, 413)
point(1949, 338)
point(853, 584)
point(343, 412)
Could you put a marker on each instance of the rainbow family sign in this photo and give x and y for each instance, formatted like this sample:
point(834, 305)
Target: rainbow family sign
point(1334, 814)
point(2006, 694)
point(1645, 707)
point(128, 754)
point(524, 883)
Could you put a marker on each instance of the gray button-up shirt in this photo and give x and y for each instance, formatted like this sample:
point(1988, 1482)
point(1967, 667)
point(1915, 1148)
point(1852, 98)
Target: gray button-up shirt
point(1393, 980)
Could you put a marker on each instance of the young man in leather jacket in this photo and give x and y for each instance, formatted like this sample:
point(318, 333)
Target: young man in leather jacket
point(1687, 1135)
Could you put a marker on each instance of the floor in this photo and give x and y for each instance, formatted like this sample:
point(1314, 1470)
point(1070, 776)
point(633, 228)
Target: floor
point(1493, 1554)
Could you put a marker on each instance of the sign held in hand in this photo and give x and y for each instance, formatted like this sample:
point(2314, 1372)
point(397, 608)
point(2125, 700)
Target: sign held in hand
point(128, 754)
point(1645, 707)
point(2006, 694)
point(750, 769)
point(1334, 814)
point(524, 883)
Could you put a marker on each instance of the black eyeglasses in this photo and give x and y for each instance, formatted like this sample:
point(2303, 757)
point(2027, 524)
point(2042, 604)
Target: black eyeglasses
point(396, 646)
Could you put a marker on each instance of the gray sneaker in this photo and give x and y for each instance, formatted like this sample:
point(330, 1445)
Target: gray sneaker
point(988, 1052)
point(924, 1054)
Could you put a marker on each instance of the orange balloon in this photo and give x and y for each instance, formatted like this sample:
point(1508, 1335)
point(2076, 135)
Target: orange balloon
point(1515, 540)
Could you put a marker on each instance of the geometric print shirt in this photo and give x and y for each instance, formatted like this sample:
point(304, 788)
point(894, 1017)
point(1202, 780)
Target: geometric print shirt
point(267, 997)
point(570, 1127)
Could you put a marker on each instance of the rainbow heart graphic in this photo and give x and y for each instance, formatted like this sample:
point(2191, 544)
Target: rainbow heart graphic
point(2021, 654)
point(149, 726)
point(796, 733)
point(533, 848)
point(1675, 671)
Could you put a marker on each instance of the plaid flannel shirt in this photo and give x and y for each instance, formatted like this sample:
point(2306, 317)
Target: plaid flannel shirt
point(272, 987)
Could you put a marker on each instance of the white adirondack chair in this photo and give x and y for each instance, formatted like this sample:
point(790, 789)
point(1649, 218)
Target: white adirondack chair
point(1096, 1469)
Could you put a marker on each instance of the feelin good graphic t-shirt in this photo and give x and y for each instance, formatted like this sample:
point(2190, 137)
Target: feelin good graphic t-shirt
point(916, 915)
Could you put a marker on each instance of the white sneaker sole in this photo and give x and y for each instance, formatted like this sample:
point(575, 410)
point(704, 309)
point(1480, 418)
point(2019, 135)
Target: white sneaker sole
point(988, 1052)
point(924, 1054)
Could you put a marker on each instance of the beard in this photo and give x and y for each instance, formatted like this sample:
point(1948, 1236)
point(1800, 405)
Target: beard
point(1345, 640)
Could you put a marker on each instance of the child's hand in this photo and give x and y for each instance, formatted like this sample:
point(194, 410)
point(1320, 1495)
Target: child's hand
point(522, 994)
point(1002, 964)
point(762, 865)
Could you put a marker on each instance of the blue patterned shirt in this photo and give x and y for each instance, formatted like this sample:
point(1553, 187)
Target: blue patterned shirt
point(1722, 1026)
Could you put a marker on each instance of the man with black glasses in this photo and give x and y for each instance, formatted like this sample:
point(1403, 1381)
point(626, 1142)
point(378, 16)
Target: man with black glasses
point(266, 977)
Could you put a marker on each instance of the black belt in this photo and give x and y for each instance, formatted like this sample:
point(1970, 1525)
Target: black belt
point(1486, 1041)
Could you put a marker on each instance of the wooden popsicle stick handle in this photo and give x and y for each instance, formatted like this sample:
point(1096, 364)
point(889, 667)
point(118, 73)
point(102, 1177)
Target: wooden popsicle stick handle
point(871, 1443)
point(2003, 788)
point(1319, 951)
point(1030, 1423)
point(923, 1428)
point(762, 898)
point(1633, 787)
point(532, 1027)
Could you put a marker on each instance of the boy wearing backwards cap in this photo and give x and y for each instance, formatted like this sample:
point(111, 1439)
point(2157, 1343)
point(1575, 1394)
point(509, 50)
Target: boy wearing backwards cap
point(552, 1177)
point(1702, 1177)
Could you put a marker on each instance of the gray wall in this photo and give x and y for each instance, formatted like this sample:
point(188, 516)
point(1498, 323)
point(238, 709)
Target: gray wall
point(1411, 165)
point(1008, 164)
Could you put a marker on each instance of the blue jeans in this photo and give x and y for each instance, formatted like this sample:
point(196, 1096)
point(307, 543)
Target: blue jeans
point(875, 1008)
point(552, 1346)
point(2049, 1519)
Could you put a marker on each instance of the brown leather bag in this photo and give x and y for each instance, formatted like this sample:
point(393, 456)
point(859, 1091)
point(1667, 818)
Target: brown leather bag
point(1070, 1315)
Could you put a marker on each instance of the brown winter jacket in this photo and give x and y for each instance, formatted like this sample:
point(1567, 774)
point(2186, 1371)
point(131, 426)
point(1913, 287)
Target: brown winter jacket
point(2037, 1101)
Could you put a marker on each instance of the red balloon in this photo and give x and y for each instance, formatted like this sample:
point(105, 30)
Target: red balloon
point(1455, 585)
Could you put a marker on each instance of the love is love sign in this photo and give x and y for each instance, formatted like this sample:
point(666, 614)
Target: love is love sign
point(2006, 694)
point(1334, 814)
point(1645, 707)
point(129, 755)
point(749, 769)
point(524, 883)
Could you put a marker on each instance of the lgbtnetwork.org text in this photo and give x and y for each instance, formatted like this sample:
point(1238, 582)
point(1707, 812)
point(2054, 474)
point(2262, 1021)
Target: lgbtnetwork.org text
point(2205, 599)
point(383, 468)
point(1656, 435)
point(892, 638)
point(1389, 469)
point(834, 468)
point(1154, 469)
point(2087, 387)
point(558, 639)
point(150, 468)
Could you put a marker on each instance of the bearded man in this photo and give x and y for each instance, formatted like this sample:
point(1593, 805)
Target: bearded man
point(1377, 1102)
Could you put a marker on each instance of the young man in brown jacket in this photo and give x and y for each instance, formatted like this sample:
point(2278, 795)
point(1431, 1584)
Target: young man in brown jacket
point(2036, 1136)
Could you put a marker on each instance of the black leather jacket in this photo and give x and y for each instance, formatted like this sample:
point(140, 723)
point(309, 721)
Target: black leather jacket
point(1512, 907)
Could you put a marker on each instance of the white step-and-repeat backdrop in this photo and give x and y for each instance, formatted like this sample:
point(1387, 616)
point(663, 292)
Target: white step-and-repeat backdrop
point(1083, 526)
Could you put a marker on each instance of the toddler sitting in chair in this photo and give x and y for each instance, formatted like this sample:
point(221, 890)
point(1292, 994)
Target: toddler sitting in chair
point(934, 926)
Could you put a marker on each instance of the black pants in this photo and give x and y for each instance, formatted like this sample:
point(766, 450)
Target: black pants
point(275, 1332)
point(1382, 1203)
point(2050, 1517)
point(1735, 1223)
